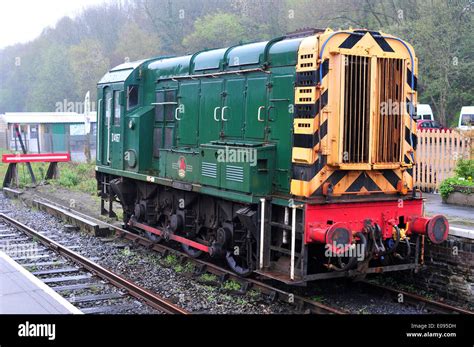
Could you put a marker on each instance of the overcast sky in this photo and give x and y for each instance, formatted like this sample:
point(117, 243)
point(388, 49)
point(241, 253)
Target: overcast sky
point(23, 20)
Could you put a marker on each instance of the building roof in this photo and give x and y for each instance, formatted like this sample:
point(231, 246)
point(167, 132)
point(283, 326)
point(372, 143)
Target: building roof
point(45, 117)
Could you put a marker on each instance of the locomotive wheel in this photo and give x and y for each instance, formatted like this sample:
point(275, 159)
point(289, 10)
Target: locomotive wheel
point(162, 224)
point(238, 264)
point(243, 262)
point(192, 252)
point(153, 237)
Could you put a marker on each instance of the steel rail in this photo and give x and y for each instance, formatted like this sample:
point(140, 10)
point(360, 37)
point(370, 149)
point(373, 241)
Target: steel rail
point(133, 289)
point(415, 299)
point(302, 303)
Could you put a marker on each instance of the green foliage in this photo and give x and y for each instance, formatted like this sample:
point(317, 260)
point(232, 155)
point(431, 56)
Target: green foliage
point(232, 285)
point(135, 43)
point(453, 184)
point(465, 169)
point(68, 178)
point(207, 277)
point(77, 176)
point(215, 30)
point(170, 260)
point(88, 65)
point(461, 182)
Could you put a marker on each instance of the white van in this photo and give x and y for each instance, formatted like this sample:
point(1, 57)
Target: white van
point(424, 112)
point(466, 118)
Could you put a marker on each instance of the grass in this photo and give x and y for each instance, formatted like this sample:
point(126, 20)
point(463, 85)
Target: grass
point(171, 260)
point(319, 298)
point(253, 294)
point(188, 267)
point(232, 285)
point(206, 277)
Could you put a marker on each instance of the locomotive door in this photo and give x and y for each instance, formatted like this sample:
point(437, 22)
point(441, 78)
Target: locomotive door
point(233, 111)
point(104, 119)
point(116, 130)
point(210, 111)
point(256, 108)
point(280, 119)
point(187, 113)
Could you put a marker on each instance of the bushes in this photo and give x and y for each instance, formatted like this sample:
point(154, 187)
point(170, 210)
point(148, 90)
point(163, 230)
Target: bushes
point(465, 169)
point(461, 182)
point(68, 178)
point(80, 177)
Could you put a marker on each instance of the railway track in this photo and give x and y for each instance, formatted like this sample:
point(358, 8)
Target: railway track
point(272, 293)
point(67, 272)
point(416, 300)
point(302, 303)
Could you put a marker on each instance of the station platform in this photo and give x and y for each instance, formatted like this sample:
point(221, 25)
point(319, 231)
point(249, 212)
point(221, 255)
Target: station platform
point(23, 293)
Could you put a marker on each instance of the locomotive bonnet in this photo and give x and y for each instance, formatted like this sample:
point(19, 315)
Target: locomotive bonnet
point(292, 158)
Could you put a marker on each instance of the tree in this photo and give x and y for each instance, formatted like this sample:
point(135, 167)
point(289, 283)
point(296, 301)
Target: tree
point(215, 30)
point(443, 37)
point(53, 83)
point(88, 65)
point(134, 43)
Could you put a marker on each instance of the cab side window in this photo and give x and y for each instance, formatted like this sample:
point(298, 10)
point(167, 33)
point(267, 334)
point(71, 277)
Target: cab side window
point(165, 106)
point(132, 97)
point(108, 106)
point(117, 108)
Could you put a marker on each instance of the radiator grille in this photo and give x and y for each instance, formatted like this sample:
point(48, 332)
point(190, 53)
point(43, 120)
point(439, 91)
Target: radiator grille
point(209, 169)
point(356, 109)
point(234, 173)
point(389, 119)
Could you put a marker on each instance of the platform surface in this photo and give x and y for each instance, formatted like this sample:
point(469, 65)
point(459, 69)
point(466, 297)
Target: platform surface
point(23, 293)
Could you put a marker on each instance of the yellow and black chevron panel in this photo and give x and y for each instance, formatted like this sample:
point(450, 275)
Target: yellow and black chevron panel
point(410, 139)
point(322, 109)
point(360, 182)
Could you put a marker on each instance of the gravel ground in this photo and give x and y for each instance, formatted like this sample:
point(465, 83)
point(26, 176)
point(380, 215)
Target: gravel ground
point(169, 278)
point(165, 276)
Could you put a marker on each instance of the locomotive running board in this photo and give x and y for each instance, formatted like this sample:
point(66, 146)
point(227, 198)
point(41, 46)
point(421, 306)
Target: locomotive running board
point(283, 277)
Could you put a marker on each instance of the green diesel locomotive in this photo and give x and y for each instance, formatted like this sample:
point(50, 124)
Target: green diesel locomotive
point(292, 158)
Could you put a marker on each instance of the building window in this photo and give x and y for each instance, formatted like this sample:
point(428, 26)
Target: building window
point(132, 97)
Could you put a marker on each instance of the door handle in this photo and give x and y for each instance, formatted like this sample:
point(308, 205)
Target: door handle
point(215, 114)
point(259, 114)
point(223, 114)
point(178, 109)
point(268, 111)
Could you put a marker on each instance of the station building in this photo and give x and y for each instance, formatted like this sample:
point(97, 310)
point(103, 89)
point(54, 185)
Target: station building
point(49, 132)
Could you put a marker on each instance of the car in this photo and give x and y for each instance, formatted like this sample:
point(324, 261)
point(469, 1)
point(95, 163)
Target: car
point(424, 112)
point(466, 118)
point(430, 125)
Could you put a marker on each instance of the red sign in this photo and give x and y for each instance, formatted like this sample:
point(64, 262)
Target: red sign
point(29, 158)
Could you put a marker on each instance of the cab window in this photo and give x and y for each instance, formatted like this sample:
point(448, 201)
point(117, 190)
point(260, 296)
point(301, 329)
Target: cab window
point(108, 106)
point(117, 108)
point(132, 97)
